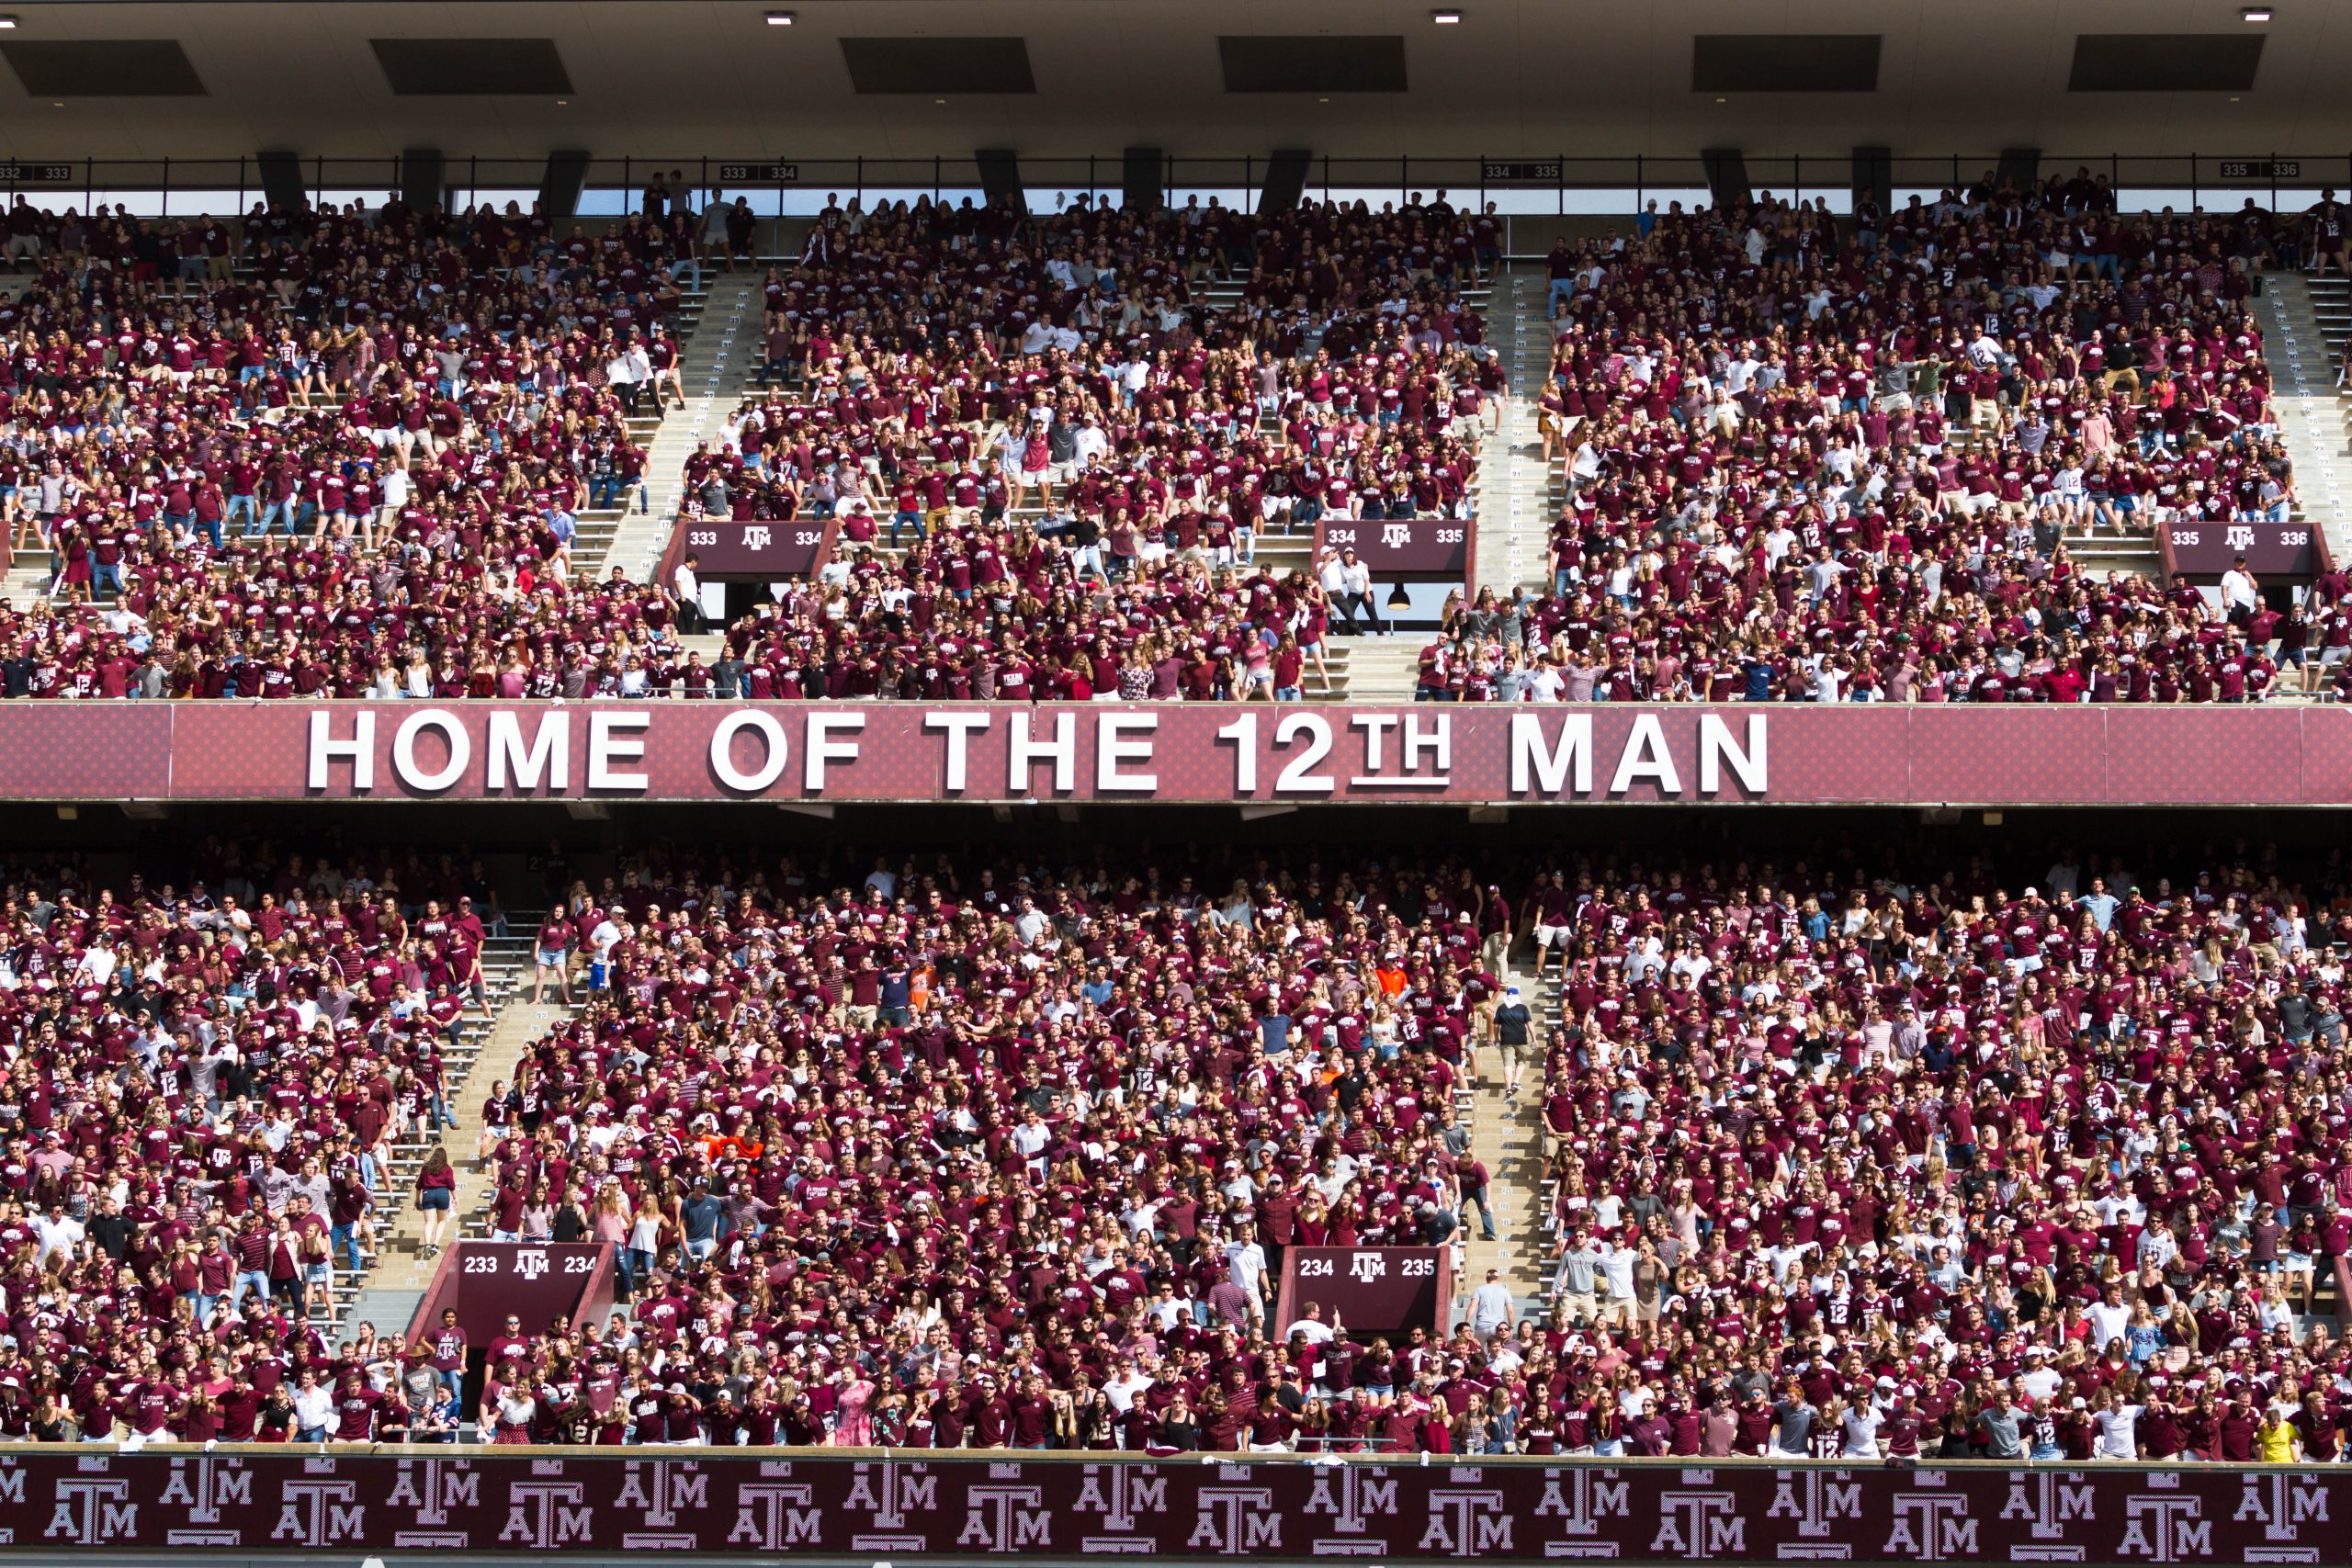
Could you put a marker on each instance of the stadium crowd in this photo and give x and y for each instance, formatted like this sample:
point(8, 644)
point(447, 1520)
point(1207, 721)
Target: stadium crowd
point(1809, 460)
point(356, 464)
point(205, 1075)
point(1844, 1164)
point(1081, 453)
point(961, 1151)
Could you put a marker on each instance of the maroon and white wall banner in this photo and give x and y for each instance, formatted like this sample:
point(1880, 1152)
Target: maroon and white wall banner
point(2206, 548)
point(768, 550)
point(1424, 548)
point(863, 1507)
point(1180, 753)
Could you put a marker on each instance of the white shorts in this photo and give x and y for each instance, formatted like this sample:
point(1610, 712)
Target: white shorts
point(1553, 936)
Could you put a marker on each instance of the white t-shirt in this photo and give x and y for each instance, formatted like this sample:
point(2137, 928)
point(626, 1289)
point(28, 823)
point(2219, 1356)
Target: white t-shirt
point(2118, 1432)
point(1860, 1426)
point(1490, 1307)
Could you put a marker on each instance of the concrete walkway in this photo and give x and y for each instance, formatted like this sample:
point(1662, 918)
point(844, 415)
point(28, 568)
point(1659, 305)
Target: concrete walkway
point(714, 364)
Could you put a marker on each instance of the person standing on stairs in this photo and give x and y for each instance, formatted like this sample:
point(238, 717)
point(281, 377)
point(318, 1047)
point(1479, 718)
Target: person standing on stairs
point(1514, 1030)
point(1470, 1177)
point(436, 1196)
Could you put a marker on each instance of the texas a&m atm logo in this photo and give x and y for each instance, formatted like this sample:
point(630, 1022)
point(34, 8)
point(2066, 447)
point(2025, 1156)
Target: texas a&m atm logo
point(1581, 1499)
point(891, 1491)
point(2281, 1504)
point(1128, 1500)
point(1351, 1497)
point(1235, 1517)
point(776, 1511)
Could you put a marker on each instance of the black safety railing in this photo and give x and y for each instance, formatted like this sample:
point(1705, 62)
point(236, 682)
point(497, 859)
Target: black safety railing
point(783, 186)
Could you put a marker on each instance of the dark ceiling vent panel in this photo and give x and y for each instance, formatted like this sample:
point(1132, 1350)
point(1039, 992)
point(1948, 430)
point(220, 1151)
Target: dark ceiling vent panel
point(1784, 62)
point(103, 68)
point(479, 67)
point(1356, 62)
point(938, 65)
point(2164, 62)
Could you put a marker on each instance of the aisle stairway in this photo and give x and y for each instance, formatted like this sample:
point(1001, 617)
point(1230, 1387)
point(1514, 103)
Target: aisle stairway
point(1515, 501)
point(404, 1271)
point(2305, 324)
point(1507, 1136)
point(506, 974)
point(714, 364)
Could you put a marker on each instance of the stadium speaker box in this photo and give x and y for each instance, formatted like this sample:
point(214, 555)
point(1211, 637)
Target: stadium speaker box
point(1727, 175)
point(2021, 167)
point(1144, 190)
point(1285, 181)
point(423, 178)
point(559, 186)
point(1875, 175)
point(281, 179)
point(1000, 176)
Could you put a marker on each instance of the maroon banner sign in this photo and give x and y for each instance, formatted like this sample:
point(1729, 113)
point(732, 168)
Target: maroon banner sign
point(2294, 550)
point(1413, 549)
point(1367, 1289)
point(860, 1507)
point(765, 550)
point(1856, 754)
point(538, 1281)
point(1181, 753)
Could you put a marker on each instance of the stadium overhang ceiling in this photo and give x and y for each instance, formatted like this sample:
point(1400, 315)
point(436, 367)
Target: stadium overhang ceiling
point(662, 79)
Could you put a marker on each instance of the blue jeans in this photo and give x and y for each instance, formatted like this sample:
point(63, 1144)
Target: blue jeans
point(253, 1280)
point(106, 577)
point(345, 1239)
point(1562, 288)
point(601, 489)
point(246, 504)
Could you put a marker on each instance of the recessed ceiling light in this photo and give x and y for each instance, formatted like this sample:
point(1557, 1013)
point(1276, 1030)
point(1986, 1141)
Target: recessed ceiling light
point(2255, 14)
point(8, 23)
point(939, 100)
point(1719, 100)
point(1322, 100)
point(779, 19)
point(563, 103)
point(1445, 18)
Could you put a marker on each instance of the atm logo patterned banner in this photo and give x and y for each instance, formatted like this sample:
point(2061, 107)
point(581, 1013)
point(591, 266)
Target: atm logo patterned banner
point(900, 1506)
point(1184, 753)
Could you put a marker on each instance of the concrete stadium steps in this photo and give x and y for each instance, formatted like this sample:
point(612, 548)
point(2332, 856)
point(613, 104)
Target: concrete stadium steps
point(1507, 1135)
point(507, 971)
point(1515, 502)
point(715, 363)
point(2306, 323)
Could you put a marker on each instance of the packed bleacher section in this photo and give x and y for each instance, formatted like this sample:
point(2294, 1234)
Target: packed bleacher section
point(332, 451)
point(362, 442)
point(1079, 429)
point(959, 1153)
point(1844, 1160)
point(1807, 460)
point(206, 1071)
